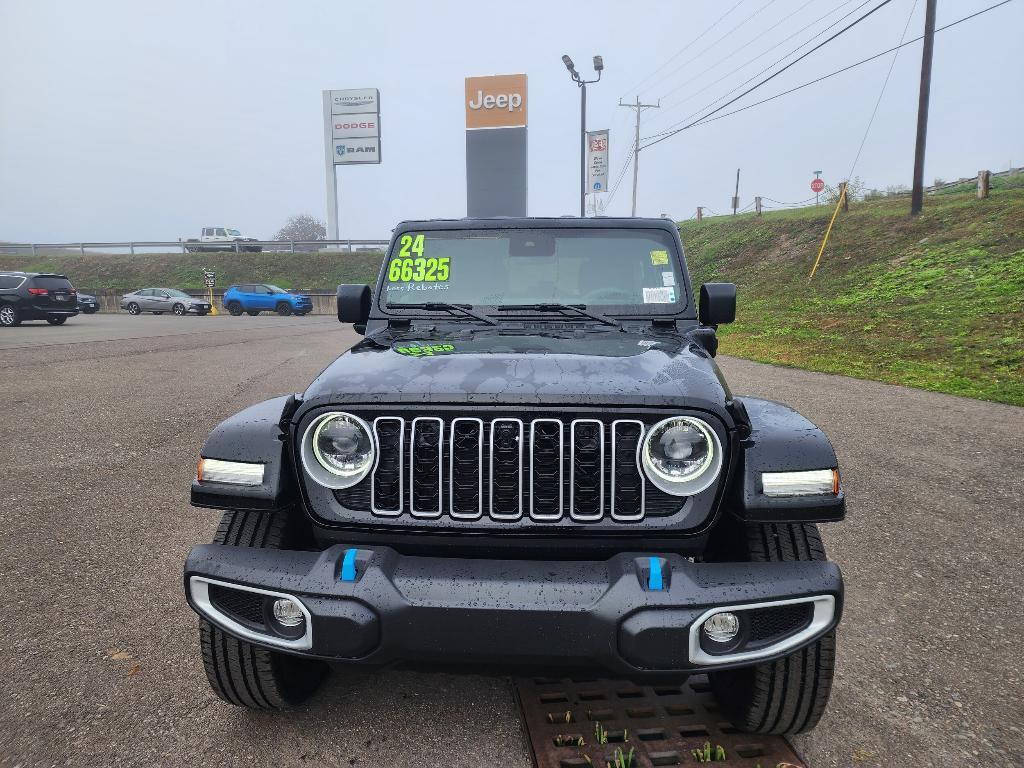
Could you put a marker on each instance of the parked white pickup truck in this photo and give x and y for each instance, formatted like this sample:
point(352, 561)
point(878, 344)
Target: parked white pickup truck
point(221, 239)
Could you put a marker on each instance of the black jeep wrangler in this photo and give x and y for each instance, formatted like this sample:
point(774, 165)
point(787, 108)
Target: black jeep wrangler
point(531, 461)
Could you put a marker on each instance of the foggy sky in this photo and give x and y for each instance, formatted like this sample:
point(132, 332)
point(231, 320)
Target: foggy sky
point(146, 120)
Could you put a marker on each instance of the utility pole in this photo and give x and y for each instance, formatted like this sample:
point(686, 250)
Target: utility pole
point(736, 197)
point(636, 144)
point(917, 196)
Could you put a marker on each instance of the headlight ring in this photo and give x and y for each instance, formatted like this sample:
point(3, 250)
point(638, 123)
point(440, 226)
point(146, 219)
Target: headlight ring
point(682, 455)
point(337, 450)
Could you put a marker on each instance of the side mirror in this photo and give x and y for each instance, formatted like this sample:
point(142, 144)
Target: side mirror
point(354, 304)
point(717, 303)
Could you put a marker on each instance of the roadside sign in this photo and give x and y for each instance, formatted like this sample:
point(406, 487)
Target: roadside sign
point(352, 126)
point(355, 101)
point(597, 161)
point(358, 150)
point(355, 126)
point(817, 186)
point(209, 279)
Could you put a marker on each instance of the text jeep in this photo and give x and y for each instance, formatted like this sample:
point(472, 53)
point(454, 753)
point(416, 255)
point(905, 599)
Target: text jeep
point(530, 461)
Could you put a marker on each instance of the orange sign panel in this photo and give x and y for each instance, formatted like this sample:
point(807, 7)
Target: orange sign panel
point(496, 101)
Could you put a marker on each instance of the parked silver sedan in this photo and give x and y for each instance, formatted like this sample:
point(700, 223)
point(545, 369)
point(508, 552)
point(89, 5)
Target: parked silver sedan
point(160, 300)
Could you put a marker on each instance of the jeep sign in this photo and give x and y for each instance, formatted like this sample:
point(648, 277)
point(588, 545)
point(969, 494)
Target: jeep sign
point(497, 101)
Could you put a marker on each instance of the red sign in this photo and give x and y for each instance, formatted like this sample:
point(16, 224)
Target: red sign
point(817, 185)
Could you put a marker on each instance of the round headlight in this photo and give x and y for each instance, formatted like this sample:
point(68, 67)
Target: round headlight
point(337, 450)
point(682, 455)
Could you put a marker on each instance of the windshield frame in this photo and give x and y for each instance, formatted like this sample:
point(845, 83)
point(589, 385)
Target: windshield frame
point(684, 309)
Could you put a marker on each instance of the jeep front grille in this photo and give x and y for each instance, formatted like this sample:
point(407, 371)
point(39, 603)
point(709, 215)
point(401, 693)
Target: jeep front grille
point(545, 469)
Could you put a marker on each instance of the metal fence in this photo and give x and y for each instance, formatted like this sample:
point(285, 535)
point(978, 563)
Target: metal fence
point(186, 246)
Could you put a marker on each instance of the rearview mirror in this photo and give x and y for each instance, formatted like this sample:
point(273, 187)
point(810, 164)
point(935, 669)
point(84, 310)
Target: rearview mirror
point(354, 304)
point(717, 303)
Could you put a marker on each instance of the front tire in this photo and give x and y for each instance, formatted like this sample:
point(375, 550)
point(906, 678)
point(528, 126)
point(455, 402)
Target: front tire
point(284, 309)
point(241, 673)
point(789, 695)
point(134, 309)
point(56, 320)
point(178, 309)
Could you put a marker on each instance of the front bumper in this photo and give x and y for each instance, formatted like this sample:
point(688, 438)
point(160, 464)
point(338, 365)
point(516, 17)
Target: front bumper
point(447, 612)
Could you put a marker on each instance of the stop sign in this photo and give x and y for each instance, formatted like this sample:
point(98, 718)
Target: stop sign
point(817, 185)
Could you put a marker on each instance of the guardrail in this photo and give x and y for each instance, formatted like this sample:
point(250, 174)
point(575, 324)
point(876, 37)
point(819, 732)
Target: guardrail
point(185, 246)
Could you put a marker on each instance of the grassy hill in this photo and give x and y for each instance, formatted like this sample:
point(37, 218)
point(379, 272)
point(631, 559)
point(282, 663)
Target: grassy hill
point(935, 302)
point(185, 270)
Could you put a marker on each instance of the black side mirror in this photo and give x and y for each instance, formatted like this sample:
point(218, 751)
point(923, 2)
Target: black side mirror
point(717, 303)
point(354, 305)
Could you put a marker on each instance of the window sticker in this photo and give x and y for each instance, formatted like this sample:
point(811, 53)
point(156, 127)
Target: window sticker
point(659, 258)
point(416, 349)
point(419, 270)
point(668, 278)
point(659, 295)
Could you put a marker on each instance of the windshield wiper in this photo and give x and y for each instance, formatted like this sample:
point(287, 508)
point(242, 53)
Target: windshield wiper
point(441, 306)
point(580, 309)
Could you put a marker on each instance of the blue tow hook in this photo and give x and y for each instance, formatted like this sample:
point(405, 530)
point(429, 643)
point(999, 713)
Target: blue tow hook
point(348, 566)
point(654, 581)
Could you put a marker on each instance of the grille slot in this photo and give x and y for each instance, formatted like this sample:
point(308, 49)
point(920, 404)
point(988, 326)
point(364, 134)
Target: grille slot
point(426, 445)
point(546, 470)
point(506, 465)
point(466, 469)
point(386, 481)
point(627, 479)
point(586, 473)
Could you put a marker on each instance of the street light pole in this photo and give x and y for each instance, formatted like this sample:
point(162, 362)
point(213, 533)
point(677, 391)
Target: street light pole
point(599, 68)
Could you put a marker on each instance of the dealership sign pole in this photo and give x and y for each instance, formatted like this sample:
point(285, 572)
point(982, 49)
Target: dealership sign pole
point(351, 137)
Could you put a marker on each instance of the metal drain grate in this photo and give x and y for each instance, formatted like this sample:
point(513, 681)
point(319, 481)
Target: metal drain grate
point(662, 724)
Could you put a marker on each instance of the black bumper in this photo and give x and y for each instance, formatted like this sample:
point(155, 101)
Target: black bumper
point(448, 612)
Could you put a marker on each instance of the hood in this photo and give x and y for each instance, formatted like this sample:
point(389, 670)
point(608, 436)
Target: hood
point(503, 367)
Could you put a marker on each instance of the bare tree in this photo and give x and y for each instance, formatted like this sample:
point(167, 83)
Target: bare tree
point(302, 227)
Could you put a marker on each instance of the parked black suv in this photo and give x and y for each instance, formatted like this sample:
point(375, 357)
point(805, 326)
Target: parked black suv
point(530, 460)
point(35, 296)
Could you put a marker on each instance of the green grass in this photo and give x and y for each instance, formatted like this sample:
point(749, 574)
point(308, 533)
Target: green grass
point(935, 302)
point(184, 270)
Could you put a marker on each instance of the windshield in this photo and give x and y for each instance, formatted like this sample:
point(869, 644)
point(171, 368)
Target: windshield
point(275, 289)
point(627, 268)
point(177, 293)
point(233, 232)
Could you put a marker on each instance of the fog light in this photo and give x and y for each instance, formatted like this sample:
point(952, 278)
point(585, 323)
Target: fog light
point(722, 627)
point(288, 613)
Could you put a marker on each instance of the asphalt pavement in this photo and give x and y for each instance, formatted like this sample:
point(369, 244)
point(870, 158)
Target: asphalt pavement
point(99, 659)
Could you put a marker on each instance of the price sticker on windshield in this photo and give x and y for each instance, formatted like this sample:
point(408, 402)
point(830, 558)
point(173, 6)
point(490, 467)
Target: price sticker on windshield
point(410, 265)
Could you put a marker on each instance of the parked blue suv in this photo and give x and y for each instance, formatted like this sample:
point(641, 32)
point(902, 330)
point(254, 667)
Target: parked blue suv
point(253, 298)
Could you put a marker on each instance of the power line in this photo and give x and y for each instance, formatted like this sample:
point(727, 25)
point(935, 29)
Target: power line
point(745, 45)
point(776, 74)
point(839, 71)
point(674, 105)
point(881, 93)
point(723, 37)
point(769, 67)
point(682, 50)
